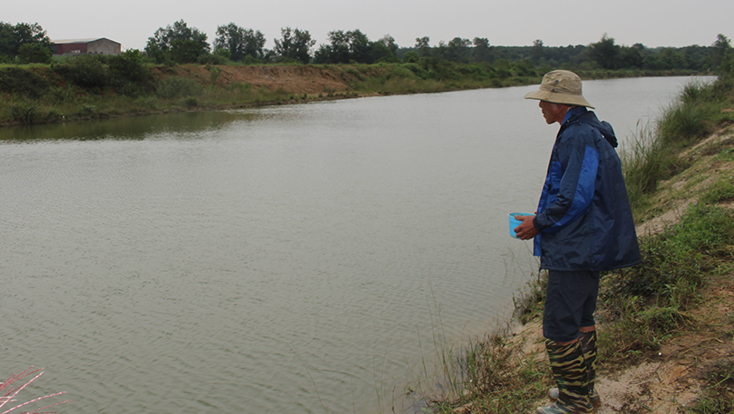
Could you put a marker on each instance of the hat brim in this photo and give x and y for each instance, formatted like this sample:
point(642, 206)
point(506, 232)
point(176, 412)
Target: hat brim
point(559, 98)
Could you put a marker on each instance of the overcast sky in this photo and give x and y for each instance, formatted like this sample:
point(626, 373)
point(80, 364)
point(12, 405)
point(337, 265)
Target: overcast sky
point(505, 23)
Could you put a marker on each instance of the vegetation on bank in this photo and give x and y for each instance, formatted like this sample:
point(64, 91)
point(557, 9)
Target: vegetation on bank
point(166, 76)
point(97, 87)
point(641, 308)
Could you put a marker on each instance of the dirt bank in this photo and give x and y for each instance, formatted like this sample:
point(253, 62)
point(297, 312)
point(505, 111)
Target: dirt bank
point(294, 79)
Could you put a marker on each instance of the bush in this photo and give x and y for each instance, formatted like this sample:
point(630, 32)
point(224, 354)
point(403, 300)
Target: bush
point(175, 87)
point(34, 53)
point(129, 66)
point(86, 71)
point(24, 112)
point(22, 82)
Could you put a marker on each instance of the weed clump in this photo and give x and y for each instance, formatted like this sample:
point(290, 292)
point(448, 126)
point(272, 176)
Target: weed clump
point(645, 304)
point(718, 397)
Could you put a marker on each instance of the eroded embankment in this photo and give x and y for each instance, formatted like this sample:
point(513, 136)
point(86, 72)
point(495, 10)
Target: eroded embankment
point(293, 79)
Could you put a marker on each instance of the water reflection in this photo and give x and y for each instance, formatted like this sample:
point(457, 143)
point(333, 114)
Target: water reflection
point(178, 125)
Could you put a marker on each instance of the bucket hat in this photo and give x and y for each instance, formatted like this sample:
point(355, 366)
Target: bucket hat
point(562, 87)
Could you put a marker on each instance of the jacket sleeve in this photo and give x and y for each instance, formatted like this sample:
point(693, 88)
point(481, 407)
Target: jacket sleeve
point(574, 180)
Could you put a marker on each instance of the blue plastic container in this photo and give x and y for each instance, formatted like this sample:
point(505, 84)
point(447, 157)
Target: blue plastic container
point(515, 222)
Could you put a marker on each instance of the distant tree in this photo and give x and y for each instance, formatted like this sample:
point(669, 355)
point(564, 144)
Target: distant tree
point(457, 50)
point(538, 52)
point(359, 46)
point(384, 50)
point(666, 59)
point(294, 44)
point(411, 57)
point(482, 52)
point(345, 47)
point(337, 51)
point(422, 46)
point(186, 51)
point(240, 42)
point(178, 43)
point(722, 56)
point(604, 52)
point(630, 58)
point(13, 37)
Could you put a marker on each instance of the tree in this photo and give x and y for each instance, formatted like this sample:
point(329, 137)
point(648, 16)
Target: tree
point(422, 46)
point(482, 52)
point(538, 52)
point(722, 55)
point(384, 50)
point(604, 52)
point(240, 42)
point(178, 43)
point(630, 58)
point(13, 37)
point(294, 44)
point(457, 49)
point(345, 47)
point(337, 51)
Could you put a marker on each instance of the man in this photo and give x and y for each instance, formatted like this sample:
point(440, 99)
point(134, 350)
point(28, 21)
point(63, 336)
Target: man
point(583, 225)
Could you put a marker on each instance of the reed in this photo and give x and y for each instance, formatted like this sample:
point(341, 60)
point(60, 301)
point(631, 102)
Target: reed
point(10, 391)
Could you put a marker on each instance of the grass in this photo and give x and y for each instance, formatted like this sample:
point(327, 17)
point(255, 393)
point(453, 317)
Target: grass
point(643, 307)
point(718, 397)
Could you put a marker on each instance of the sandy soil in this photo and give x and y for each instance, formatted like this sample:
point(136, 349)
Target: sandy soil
point(295, 79)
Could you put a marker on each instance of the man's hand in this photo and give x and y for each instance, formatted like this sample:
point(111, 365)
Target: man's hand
point(526, 230)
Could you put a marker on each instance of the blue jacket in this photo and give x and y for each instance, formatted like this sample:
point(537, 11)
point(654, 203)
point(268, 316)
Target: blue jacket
point(584, 216)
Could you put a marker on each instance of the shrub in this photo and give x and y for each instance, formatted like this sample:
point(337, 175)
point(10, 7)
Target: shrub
point(34, 53)
point(175, 87)
point(129, 66)
point(24, 112)
point(191, 102)
point(86, 71)
point(22, 82)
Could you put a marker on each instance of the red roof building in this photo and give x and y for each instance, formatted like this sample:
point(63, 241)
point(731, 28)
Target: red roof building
point(98, 46)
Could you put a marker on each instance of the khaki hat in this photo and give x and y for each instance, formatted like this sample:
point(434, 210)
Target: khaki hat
point(562, 87)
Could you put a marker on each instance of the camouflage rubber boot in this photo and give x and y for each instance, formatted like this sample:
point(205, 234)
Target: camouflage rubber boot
point(569, 370)
point(588, 346)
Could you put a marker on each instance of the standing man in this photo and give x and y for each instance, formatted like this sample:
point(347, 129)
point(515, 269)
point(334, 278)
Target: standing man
point(583, 225)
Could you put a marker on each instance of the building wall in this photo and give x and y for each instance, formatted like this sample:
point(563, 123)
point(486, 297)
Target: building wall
point(103, 47)
point(70, 48)
point(95, 47)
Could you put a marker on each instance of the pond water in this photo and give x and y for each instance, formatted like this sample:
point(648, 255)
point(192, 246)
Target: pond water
point(309, 258)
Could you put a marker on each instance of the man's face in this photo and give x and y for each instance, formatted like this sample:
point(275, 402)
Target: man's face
point(553, 112)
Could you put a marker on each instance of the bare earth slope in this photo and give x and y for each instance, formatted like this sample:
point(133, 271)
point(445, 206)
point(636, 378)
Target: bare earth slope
point(294, 79)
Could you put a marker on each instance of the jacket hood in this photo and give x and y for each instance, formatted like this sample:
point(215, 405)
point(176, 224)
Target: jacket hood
point(583, 115)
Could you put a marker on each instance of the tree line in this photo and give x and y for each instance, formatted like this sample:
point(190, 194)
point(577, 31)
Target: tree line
point(178, 43)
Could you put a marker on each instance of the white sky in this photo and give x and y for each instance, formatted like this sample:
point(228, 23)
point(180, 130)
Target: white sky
point(505, 23)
